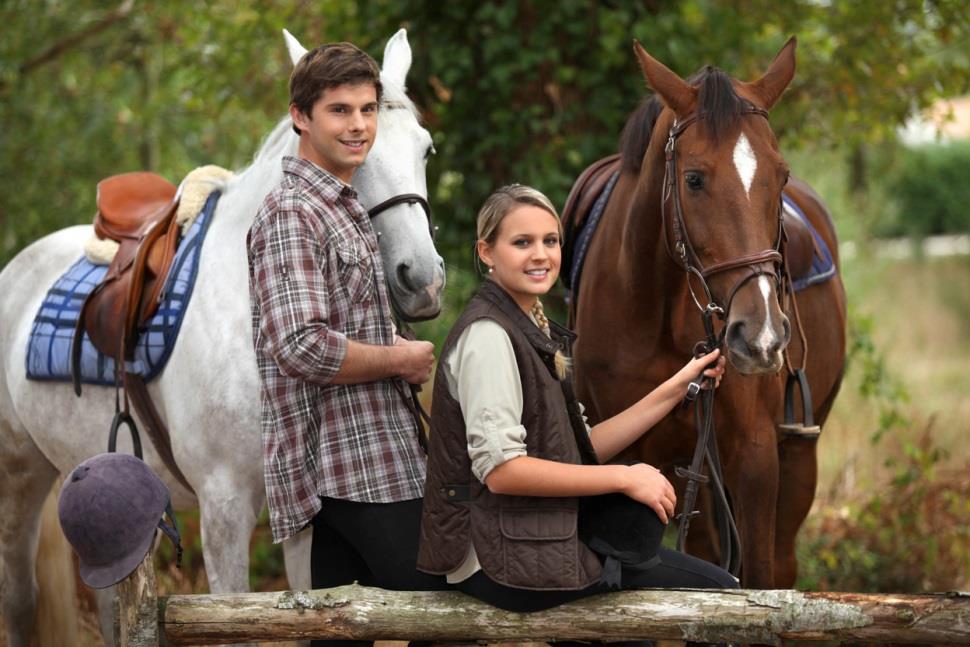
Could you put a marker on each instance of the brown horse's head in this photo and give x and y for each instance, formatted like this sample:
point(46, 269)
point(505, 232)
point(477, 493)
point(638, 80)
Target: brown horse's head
point(722, 195)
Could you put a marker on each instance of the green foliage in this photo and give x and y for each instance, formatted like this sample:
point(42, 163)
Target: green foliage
point(930, 186)
point(876, 383)
point(512, 90)
point(912, 535)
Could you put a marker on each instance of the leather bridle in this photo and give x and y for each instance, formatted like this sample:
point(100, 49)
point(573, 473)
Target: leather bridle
point(766, 262)
point(404, 198)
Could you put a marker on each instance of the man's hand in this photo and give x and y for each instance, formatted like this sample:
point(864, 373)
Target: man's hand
point(416, 360)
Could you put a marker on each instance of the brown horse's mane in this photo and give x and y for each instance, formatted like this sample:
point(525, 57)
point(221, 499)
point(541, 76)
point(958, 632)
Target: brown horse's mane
point(718, 104)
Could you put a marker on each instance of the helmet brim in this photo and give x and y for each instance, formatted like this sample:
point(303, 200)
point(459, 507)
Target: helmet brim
point(103, 576)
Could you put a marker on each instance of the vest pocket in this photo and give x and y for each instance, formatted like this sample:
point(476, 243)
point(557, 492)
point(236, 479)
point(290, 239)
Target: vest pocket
point(537, 524)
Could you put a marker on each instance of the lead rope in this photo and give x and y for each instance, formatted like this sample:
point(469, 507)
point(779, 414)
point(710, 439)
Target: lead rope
point(706, 451)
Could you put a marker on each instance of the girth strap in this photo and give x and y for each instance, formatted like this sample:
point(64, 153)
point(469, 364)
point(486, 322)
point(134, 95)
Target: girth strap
point(157, 431)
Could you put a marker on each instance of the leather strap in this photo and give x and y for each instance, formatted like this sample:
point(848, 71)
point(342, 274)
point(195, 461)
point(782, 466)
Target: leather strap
point(157, 431)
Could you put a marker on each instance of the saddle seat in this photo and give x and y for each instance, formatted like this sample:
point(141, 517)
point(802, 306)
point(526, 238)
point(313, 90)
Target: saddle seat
point(137, 210)
point(130, 202)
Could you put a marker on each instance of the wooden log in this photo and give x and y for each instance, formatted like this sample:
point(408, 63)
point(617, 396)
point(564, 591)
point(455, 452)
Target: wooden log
point(766, 617)
point(136, 610)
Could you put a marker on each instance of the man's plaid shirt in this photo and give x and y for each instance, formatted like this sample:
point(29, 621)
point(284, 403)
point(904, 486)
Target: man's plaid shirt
point(315, 281)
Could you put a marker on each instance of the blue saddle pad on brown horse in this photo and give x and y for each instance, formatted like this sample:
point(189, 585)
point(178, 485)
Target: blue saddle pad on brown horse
point(52, 334)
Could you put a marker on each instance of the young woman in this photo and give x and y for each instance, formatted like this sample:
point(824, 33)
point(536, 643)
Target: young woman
point(510, 455)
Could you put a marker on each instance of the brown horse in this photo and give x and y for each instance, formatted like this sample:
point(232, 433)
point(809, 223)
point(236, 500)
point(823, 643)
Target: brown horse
point(700, 185)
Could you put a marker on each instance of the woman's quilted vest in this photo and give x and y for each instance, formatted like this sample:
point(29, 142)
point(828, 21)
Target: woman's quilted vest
point(521, 541)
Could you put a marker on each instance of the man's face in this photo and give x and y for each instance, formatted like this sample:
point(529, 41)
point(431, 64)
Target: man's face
point(340, 130)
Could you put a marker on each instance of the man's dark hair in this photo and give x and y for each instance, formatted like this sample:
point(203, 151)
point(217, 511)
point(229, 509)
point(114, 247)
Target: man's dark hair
point(328, 66)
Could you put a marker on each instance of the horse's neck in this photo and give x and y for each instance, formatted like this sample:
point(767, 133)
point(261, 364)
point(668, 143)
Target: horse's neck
point(644, 257)
point(224, 265)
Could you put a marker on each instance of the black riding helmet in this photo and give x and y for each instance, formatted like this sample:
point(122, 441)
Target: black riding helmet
point(626, 533)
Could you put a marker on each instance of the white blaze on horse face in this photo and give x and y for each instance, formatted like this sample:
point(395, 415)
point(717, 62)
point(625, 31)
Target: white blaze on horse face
point(766, 337)
point(745, 162)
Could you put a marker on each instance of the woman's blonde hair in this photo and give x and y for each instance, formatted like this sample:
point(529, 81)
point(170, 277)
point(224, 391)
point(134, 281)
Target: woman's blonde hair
point(504, 200)
point(490, 217)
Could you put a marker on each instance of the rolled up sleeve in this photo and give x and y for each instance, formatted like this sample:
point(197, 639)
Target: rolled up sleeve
point(484, 377)
point(289, 282)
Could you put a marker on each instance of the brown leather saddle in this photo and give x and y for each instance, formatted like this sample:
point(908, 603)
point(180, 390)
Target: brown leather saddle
point(136, 210)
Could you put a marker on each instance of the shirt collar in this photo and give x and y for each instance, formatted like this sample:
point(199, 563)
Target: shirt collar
point(316, 176)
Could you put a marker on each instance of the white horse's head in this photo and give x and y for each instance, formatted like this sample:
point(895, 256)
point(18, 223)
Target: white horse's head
point(395, 167)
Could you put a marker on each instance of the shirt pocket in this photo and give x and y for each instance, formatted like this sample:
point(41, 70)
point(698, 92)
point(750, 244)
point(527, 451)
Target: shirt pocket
point(355, 271)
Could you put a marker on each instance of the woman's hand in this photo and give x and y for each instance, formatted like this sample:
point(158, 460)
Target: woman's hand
point(696, 366)
point(646, 484)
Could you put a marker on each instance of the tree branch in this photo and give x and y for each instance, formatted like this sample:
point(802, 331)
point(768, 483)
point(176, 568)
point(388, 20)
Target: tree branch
point(62, 46)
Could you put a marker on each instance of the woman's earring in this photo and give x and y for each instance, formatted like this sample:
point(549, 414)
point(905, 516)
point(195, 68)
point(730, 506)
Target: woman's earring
point(490, 270)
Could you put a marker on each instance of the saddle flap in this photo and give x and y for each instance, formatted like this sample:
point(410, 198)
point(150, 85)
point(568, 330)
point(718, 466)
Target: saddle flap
point(130, 202)
point(800, 247)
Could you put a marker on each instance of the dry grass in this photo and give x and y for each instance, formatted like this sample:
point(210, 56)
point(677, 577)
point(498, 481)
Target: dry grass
point(921, 325)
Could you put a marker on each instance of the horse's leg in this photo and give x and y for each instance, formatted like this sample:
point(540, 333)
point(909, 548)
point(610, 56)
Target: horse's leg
point(798, 467)
point(798, 462)
point(228, 514)
point(755, 483)
point(296, 555)
point(25, 481)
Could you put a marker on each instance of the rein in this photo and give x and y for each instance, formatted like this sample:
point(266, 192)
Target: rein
point(765, 262)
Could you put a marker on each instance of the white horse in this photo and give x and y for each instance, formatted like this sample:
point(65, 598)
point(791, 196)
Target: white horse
point(208, 393)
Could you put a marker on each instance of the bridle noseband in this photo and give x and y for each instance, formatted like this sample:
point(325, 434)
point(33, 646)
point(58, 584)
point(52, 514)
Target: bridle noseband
point(766, 262)
point(404, 198)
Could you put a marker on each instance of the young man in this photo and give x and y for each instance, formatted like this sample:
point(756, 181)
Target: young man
point(340, 445)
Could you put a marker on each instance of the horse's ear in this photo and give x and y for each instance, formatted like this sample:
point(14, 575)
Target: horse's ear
point(675, 92)
point(397, 59)
point(769, 88)
point(295, 48)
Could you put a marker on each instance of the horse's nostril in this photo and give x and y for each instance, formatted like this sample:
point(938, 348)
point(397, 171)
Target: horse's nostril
point(735, 336)
point(404, 276)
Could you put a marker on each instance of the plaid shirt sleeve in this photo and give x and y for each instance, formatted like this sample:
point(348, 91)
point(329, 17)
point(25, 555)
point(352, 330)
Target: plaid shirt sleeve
point(294, 300)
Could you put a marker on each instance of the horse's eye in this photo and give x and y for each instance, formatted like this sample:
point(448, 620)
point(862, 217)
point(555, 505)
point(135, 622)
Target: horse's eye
point(428, 153)
point(694, 180)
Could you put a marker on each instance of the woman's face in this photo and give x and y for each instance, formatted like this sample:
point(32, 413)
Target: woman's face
point(526, 254)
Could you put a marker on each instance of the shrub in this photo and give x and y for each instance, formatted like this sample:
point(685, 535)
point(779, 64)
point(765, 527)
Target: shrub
point(929, 185)
point(910, 536)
